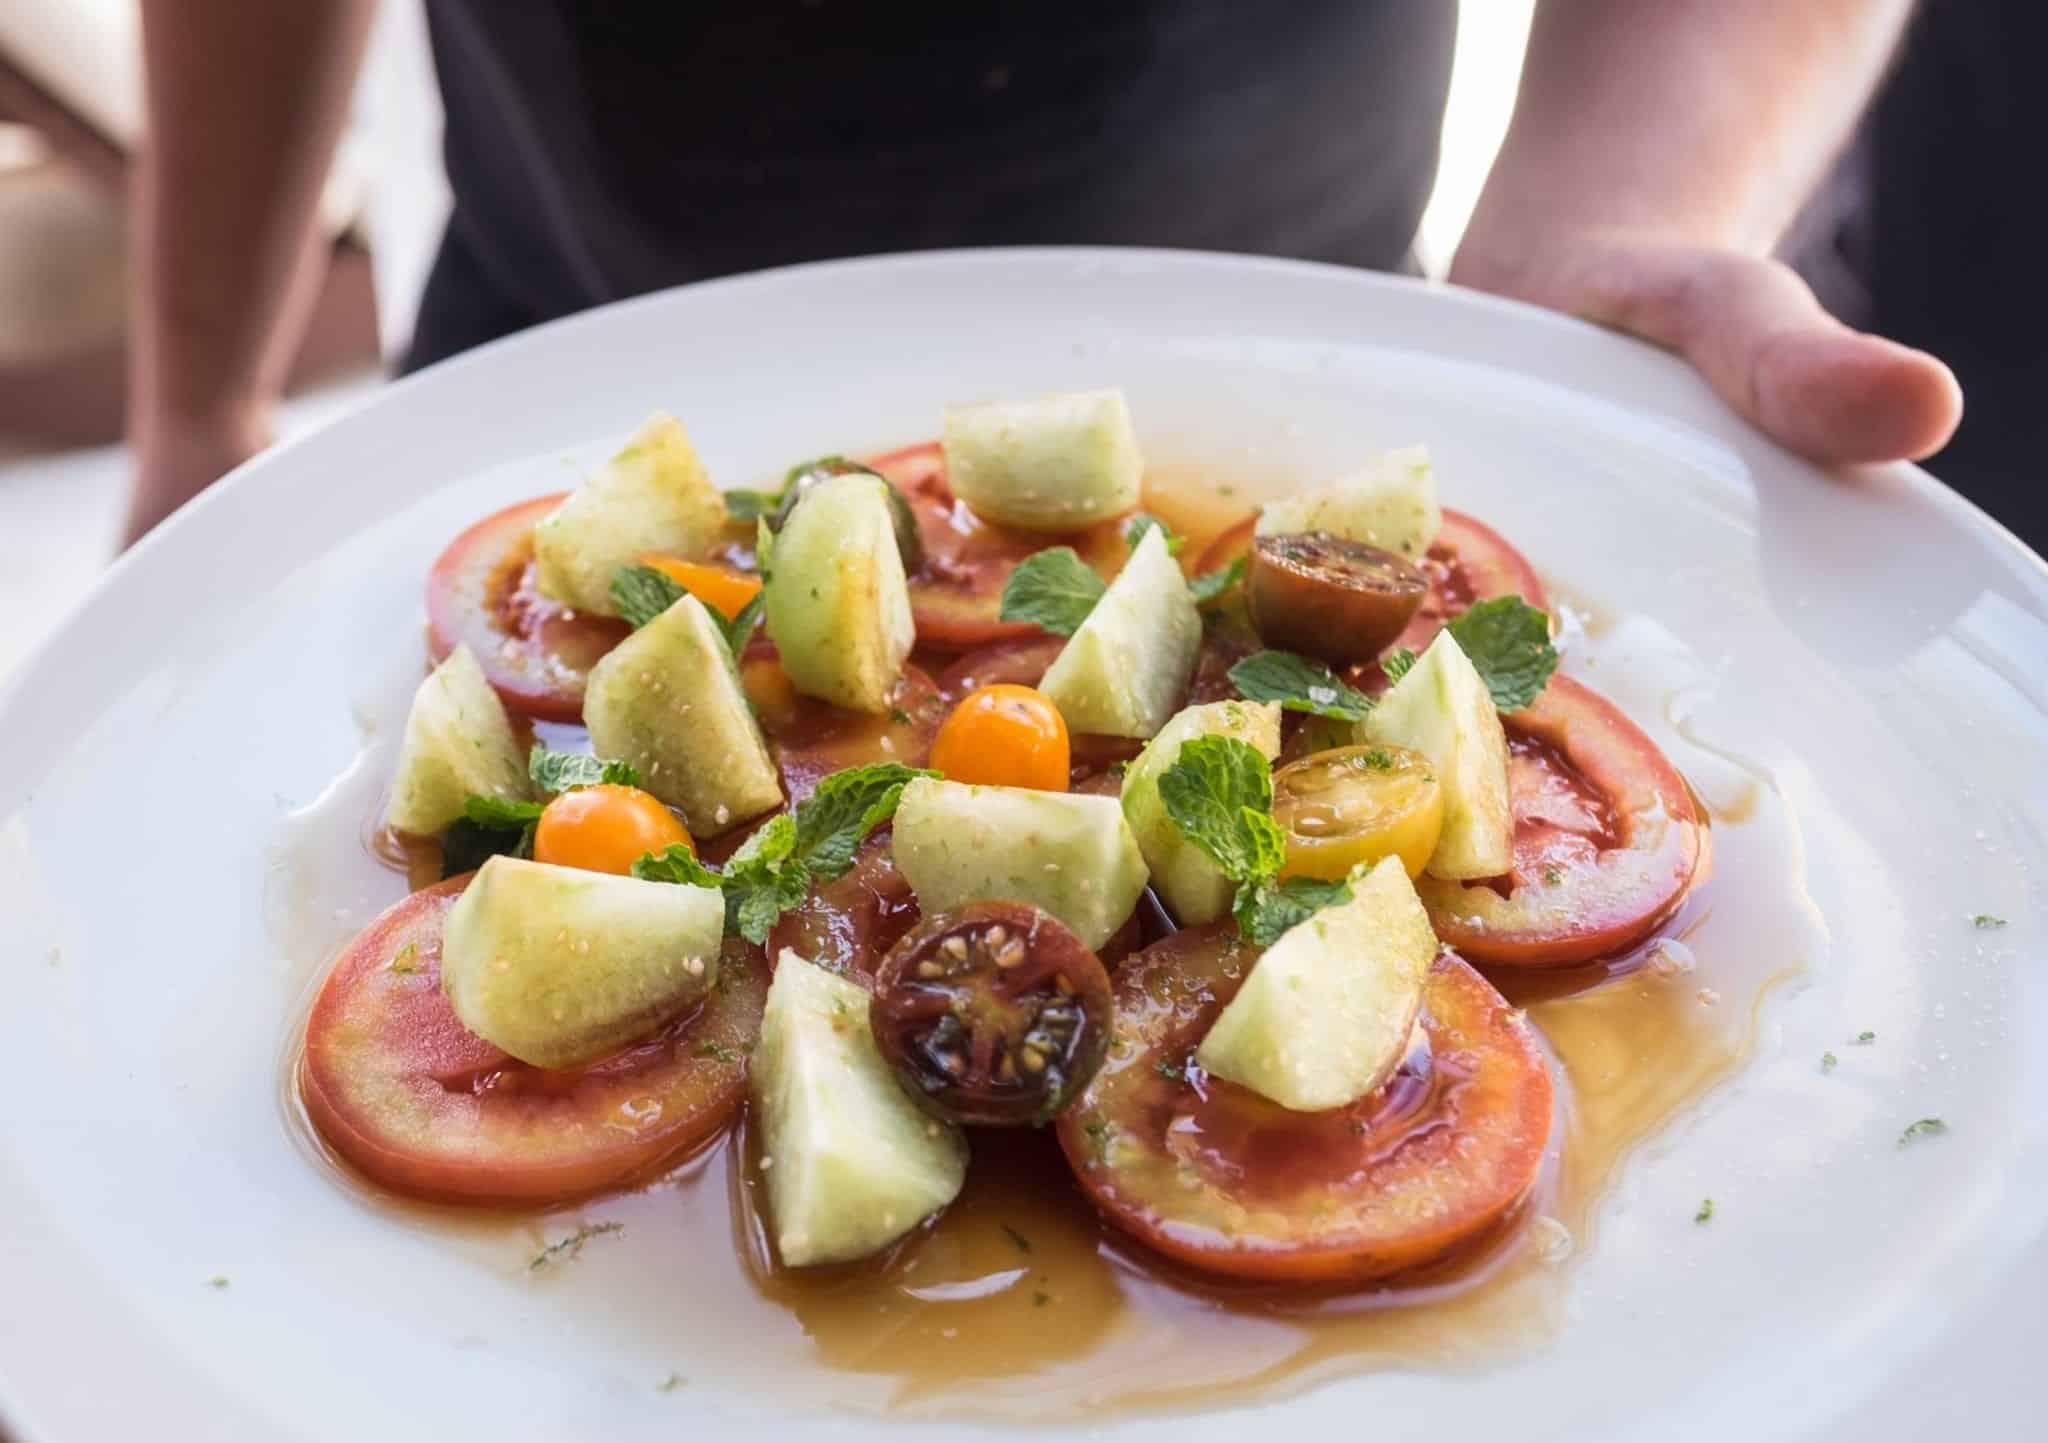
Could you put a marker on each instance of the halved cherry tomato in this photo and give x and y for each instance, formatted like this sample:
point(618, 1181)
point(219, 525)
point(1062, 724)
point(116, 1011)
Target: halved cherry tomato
point(536, 652)
point(1357, 804)
point(812, 739)
point(722, 588)
point(1005, 736)
point(1218, 1177)
point(851, 922)
point(1608, 840)
point(1324, 596)
point(956, 591)
point(403, 1092)
point(606, 828)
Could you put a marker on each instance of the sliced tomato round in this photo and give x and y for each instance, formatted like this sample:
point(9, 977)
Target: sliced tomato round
point(850, 923)
point(1224, 1181)
point(812, 739)
point(536, 652)
point(420, 1105)
point(1608, 841)
point(956, 592)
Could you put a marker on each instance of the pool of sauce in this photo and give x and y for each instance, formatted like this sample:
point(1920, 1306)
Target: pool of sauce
point(1017, 1303)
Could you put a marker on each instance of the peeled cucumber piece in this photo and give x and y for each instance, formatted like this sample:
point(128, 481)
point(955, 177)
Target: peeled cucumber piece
point(668, 700)
point(1326, 1014)
point(838, 606)
point(1054, 463)
point(1389, 503)
point(1125, 670)
point(1186, 878)
point(559, 966)
point(1067, 853)
point(653, 496)
point(1442, 709)
point(851, 1163)
point(458, 742)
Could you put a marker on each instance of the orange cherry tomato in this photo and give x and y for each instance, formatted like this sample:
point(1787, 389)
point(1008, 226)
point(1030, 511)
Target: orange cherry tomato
point(606, 829)
point(719, 587)
point(1005, 736)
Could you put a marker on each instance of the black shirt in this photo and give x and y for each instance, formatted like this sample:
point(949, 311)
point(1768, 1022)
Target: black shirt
point(597, 150)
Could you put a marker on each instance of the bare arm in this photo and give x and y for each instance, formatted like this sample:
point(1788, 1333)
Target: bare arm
point(245, 105)
point(1658, 151)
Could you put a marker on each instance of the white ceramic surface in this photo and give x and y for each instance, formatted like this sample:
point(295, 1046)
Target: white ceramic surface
point(1870, 645)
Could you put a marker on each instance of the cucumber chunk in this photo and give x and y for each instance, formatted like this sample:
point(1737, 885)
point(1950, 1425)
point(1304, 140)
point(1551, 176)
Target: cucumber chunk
point(559, 966)
point(1054, 463)
point(850, 1161)
point(1389, 503)
point(1326, 1014)
point(838, 605)
point(458, 742)
point(1067, 853)
point(653, 496)
point(1186, 878)
point(1442, 709)
point(1123, 673)
point(668, 700)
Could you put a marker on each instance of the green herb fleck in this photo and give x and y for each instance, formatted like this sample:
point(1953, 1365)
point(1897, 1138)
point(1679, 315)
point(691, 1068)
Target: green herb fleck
point(1298, 684)
point(673, 1381)
point(1168, 1070)
point(1023, 1243)
point(1706, 1212)
point(1039, 1300)
point(1864, 1039)
point(218, 1282)
point(1828, 1062)
point(567, 1249)
point(1552, 876)
point(1375, 759)
point(1925, 1127)
point(899, 716)
point(556, 772)
point(1053, 589)
point(717, 1051)
point(407, 958)
point(1985, 922)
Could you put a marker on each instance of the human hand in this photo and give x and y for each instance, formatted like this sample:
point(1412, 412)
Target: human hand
point(176, 459)
point(1751, 327)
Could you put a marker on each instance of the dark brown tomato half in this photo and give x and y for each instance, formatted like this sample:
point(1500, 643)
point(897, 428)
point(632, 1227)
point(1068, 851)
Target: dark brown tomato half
point(849, 923)
point(1608, 841)
point(956, 592)
point(994, 1014)
point(536, 652)
point(812, 739)
point(1224, 1181)
point(420, 1105)
point(1324, 596)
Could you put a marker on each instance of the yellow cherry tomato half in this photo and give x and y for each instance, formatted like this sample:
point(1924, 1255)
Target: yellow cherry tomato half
point(1357, 804)
point(606, 829)
point(721, 588)
point(1005, 736)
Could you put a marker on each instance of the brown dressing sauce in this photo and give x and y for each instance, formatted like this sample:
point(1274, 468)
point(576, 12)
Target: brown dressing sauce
point(1019, 1304)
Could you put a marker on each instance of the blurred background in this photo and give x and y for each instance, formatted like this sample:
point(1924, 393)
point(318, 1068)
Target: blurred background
point(1929, 231)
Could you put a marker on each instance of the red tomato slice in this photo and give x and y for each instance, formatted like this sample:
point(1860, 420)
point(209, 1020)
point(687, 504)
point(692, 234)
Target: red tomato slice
point(422, 1106)
point(1608, 841)
point(536, 652)
point(1227, 1182)
point(850, 923)
point(812, 739)
point(956, 592)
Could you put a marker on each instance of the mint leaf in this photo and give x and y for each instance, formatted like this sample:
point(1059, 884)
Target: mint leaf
point(1298, 684)
point(1264, 912)
point(641, 593)
point(751, 505)
point(740, 629)
point(1143, 521)
point(500, 814)
point(1210, 585)
point(1054, 589)
point(1925, 1127)
point(488, 827)
point(556, 772)
point(1508, 642)
point(764, 879)
point(833, 821)
point(1397, 663)
point(1219, 795)
point(676, 863)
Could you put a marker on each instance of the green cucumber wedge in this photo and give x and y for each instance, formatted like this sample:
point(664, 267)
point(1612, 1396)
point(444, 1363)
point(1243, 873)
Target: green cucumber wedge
point(838, 605)
point(1327, 1012)
point(1067, 853)
point(559, 966)
point(850, 1162)
point(1054, 463)
point(1390, 503)
point(1126, 670)
point(668, 700)
point(1186, 877)
point(458, 743)
point(653, 496)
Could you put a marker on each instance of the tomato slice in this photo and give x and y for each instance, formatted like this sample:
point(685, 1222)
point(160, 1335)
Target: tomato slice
point(956, 592)
point(850, 923)
point(536, 652)
point(422, 1106)
point(1608, 840)
point(1227, 1182)
point(812, 739)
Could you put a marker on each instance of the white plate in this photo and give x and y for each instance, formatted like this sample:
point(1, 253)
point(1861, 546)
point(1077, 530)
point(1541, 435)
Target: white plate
point(1870, 646)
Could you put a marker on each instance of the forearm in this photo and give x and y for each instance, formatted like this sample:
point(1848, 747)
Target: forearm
point(245, 105)
point(1686, 122)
